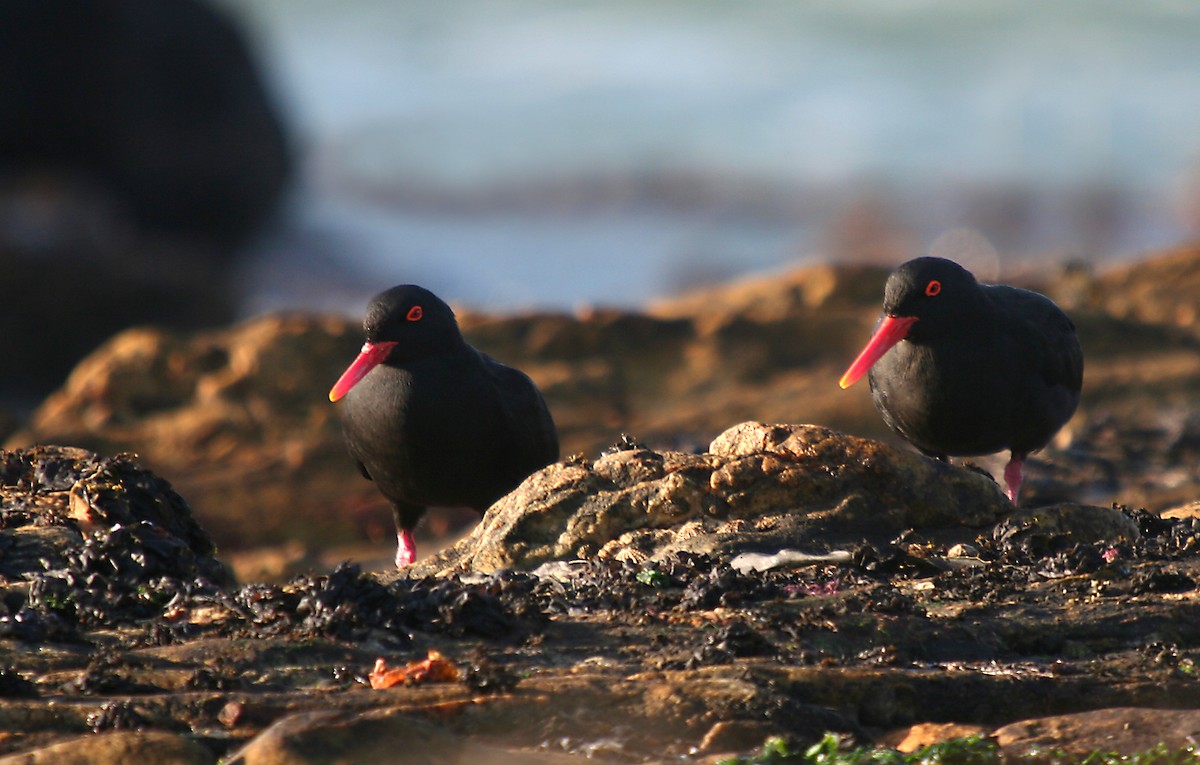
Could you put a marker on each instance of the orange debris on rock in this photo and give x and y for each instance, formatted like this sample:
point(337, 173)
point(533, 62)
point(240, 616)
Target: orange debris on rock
point(434, 668)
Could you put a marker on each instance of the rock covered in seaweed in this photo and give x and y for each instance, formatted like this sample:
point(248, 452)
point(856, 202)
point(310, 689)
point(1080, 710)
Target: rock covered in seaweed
point(757, 487)
point(64, 493)
point(97, 542)
point(88, 540)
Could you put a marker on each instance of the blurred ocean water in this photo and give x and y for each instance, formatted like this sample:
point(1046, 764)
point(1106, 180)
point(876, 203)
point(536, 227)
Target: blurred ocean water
point(518, 153)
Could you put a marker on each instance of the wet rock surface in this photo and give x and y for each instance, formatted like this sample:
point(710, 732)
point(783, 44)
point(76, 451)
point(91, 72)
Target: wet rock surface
point(55, 501)
point(617, 657)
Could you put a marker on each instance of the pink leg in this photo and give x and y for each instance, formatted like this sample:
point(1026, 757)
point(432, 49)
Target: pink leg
point(1013, 472)
point(406, 548)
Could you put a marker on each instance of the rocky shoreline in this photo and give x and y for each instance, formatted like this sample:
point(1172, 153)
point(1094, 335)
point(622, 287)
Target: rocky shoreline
point(682, 594)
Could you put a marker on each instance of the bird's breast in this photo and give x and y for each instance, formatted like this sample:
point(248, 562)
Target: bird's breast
point(944, 402)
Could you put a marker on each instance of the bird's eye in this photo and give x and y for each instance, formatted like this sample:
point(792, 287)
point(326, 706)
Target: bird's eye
point(415, 313)
point(933, 288)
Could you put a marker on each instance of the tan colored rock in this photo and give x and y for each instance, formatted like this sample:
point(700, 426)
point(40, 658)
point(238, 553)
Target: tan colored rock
point(236, 419)
point(117, 748)
point(1125, 730)
point(872, 483)
point(914, 737)
point(1190, 510)
point(776, 295)
point(734, 736)
point(758, 486)
point(383, 737)
point(1161, 290)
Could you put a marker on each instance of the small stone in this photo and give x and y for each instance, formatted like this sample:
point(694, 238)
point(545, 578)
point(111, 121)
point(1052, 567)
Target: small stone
point(230, 714)
point(382, 737)
point(924, 734)
point(963, 550)
point(734, 736)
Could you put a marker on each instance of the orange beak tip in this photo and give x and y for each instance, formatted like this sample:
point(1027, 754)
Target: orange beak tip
point(371, 355)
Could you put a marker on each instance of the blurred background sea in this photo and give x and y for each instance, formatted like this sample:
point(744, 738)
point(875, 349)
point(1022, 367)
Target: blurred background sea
point(519, 154)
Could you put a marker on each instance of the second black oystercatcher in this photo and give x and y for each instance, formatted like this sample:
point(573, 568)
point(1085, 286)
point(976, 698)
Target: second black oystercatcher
point(960, 368)
point(431, 420)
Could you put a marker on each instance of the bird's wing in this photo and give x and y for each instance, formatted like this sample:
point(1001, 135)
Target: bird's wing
point(1050, 336)
point(524, 408)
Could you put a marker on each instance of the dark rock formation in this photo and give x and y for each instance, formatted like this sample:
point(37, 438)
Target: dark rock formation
point(88, 541)
point(159, 104)
point(63, 493)
point(138, 151)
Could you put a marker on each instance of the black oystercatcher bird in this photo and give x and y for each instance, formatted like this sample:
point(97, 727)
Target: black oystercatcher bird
point(961, 368)
point(431, 420)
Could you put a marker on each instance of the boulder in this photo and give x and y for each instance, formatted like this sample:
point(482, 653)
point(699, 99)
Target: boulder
point(79, 288)
point(757, 487)
point(52, 497)
point(237, 419)
point(383, 737)
point(161, 105)
point(139, 151)
point(1127, 731)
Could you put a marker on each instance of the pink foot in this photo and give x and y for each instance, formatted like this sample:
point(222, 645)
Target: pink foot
point(406, 548)
point(1013, 473)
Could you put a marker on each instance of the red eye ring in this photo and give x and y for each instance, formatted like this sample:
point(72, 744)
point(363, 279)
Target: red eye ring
point(415, 313)
point(933, 288)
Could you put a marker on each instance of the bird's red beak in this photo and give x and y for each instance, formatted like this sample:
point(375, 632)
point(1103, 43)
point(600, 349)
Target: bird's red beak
point(890, 331)
point(368, 358)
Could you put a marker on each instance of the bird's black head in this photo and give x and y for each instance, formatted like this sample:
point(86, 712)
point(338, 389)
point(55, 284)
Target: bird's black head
point(416, 320)
point(923, 299)
point(403, 324)
point(933, 290)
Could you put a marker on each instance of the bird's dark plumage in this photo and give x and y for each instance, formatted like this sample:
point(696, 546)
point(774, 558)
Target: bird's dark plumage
point(433, 421)
point(959, 368)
